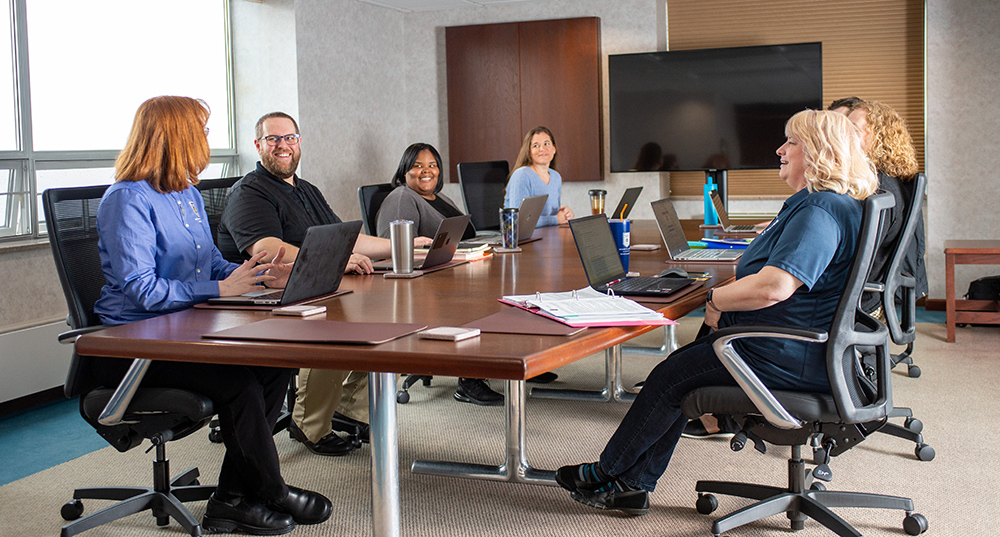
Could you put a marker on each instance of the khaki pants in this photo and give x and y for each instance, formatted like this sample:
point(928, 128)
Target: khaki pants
point(321, 392)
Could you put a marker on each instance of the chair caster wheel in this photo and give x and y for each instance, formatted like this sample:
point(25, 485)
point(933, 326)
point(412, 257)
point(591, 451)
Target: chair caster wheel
point(913, 371)
point(402, 397)
point(924, 453)
point(915, 524)
point(913, 424)
point(215, 436)
point(817, 486)
point(71, 510)
point(706, 504)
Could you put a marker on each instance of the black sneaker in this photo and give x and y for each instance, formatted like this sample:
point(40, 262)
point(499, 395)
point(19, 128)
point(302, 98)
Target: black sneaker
point(239, 514)
point(590, 486)
point(696, 429)
point(477, 392)
point(330, 445)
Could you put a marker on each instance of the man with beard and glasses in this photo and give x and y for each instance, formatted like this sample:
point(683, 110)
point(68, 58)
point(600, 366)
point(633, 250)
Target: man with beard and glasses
point(269, 208)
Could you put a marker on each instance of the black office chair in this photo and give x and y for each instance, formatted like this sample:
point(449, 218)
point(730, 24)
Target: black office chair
point(214, 193)
point(901, 319)
point(483, 186)
point(834, 421)
point(370, 197)
point(125, 414)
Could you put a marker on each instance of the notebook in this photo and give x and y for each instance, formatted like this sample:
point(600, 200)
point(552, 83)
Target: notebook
point(676, 242)
point(318, 269)
point(603, 267)
point(527, 219)
point(627, 203)
point(727, 225)
point(443, 247)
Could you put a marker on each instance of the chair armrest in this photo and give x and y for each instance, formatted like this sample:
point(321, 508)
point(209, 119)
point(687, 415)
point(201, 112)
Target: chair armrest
point(120, 399)
point(749, 382)
point(71, 335)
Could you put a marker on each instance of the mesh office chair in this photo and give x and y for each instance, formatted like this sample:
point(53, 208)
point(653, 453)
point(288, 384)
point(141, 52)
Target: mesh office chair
point(836, 421)
point(482, 186)
point(370, 197)
point(214, 193)
point(126, 414)
point(901, 320)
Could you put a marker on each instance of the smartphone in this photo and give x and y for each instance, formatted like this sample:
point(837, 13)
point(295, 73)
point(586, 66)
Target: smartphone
point(299, 311)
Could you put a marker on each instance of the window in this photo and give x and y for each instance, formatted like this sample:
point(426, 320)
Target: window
point(77, 73)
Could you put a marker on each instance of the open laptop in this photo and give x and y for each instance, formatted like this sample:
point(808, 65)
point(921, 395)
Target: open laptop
point(442, 248)
point(676, 242)
point(603, 267)
point(727, 225)
point(527, 219)
point(627, 203)
point(317, 271)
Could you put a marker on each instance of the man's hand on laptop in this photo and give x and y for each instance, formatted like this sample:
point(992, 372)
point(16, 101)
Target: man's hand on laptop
point(359, 264)
point(422, 242)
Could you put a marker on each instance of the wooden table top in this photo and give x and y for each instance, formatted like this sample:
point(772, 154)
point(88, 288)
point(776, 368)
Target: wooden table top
point(972, 246)
point(449, 297)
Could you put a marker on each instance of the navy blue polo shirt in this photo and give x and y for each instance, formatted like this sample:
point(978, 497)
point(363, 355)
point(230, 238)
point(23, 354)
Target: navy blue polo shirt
point(813, 238)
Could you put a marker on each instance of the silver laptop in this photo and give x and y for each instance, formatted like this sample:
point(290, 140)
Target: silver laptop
point(676, 242)
point(442, 248)
point(318, 269)
point(727, 225)
point(527, 219)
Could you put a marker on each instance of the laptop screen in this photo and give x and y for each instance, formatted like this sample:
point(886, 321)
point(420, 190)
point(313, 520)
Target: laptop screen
point(670, 227)
point(627, 203)
point(720, 209)
point(597, 249)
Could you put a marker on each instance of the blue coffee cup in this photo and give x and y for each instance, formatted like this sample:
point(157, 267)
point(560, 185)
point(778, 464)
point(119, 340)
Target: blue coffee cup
point(621, 231)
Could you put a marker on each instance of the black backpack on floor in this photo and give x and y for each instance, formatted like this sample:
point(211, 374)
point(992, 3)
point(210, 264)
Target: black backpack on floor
point(987, 288)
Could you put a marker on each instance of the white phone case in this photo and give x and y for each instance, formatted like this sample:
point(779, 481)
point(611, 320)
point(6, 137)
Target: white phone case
point(449, 333)
point(299, 311)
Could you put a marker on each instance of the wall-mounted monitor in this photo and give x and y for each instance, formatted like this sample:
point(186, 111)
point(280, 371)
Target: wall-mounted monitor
point(721, 109)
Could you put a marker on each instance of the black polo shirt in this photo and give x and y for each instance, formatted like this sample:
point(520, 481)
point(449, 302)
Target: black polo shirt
point(262, 205)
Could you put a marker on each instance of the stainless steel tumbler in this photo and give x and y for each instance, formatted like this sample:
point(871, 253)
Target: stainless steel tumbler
point(401, 242)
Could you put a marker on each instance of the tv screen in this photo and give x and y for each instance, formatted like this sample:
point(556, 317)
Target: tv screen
point(721, 109)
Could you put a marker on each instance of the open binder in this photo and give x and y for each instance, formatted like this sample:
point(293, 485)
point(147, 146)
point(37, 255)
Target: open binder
point(588, 307)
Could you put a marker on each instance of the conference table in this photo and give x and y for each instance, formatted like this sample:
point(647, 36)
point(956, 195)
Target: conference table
point(450, 297)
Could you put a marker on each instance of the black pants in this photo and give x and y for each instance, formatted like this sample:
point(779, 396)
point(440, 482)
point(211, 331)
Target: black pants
point(248, 401)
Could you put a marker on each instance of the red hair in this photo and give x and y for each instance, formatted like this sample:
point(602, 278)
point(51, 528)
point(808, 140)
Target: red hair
point(167, 146)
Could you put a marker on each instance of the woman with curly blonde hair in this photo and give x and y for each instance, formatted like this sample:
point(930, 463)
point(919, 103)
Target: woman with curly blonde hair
point(888, 144)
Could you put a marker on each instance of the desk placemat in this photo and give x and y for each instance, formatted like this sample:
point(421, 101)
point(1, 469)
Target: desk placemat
point(380, 267)
point(317, 331)
point(263, 307)
point(683, 291)
point(518, 321)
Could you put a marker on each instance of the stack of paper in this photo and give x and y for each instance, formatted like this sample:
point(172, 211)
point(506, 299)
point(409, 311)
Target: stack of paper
point(588, 307)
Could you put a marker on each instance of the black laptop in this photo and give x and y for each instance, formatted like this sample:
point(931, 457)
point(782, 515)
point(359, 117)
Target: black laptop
point(318, 269)
point(627, 203)
point(603, 267)
point(442, 249)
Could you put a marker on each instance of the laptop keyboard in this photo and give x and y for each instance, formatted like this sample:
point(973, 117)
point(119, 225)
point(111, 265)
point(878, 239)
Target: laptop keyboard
point(707, 253)
point(745, 227)
point(640, 284)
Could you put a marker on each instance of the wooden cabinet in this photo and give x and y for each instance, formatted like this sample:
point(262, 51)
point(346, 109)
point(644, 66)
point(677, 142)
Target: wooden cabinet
point(505, 79)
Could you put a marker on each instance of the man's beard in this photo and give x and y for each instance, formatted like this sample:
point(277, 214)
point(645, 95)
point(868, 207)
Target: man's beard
point(281, 171)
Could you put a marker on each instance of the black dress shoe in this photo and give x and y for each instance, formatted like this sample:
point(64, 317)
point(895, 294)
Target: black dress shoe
point(351, 426)
point(305, 506)
point(243, 515)
point(544, 378)
point(477, 392)
point(329, 445)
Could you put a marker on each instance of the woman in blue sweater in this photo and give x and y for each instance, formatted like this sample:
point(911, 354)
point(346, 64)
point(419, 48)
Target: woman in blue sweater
point(535, 174)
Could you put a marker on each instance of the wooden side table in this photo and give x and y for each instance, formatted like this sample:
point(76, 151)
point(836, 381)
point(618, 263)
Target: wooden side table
point(968, 252)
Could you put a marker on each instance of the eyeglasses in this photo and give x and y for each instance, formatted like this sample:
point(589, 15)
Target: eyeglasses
point(272, 140)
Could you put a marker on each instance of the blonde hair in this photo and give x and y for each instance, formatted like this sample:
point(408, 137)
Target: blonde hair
point(890, 145)
point(833, 155)
point(524, 155)
point(167, 146)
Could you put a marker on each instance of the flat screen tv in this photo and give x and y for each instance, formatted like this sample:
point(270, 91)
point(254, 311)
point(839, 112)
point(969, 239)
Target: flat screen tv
point(710, 109)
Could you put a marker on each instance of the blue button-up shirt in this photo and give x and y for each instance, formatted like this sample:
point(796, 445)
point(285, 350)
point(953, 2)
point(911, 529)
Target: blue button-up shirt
point(157, 252)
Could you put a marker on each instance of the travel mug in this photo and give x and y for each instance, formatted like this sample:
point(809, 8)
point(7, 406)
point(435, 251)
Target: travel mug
point(597, 201)
point(401, 244)
point(508, 227)
point(621, 231)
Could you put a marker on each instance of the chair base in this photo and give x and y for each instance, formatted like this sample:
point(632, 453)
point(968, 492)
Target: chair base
point(165, 504)
point(797, 501)
point(403, 394)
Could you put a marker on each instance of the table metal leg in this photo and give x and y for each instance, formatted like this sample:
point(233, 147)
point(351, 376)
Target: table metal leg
point(385, 454)
point(515, 468)
point(612, 391)
point(949, 284)
point(669, 344)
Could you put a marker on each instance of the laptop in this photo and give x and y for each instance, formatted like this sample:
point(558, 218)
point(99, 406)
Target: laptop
point(627, 203)
point(442, 248)
point(727, 225)
point(603, 267)
point(676, 242)
point(527, 219)
point(317, 271)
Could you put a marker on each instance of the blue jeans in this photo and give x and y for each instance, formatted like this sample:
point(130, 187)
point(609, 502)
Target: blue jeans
point(642, 445)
